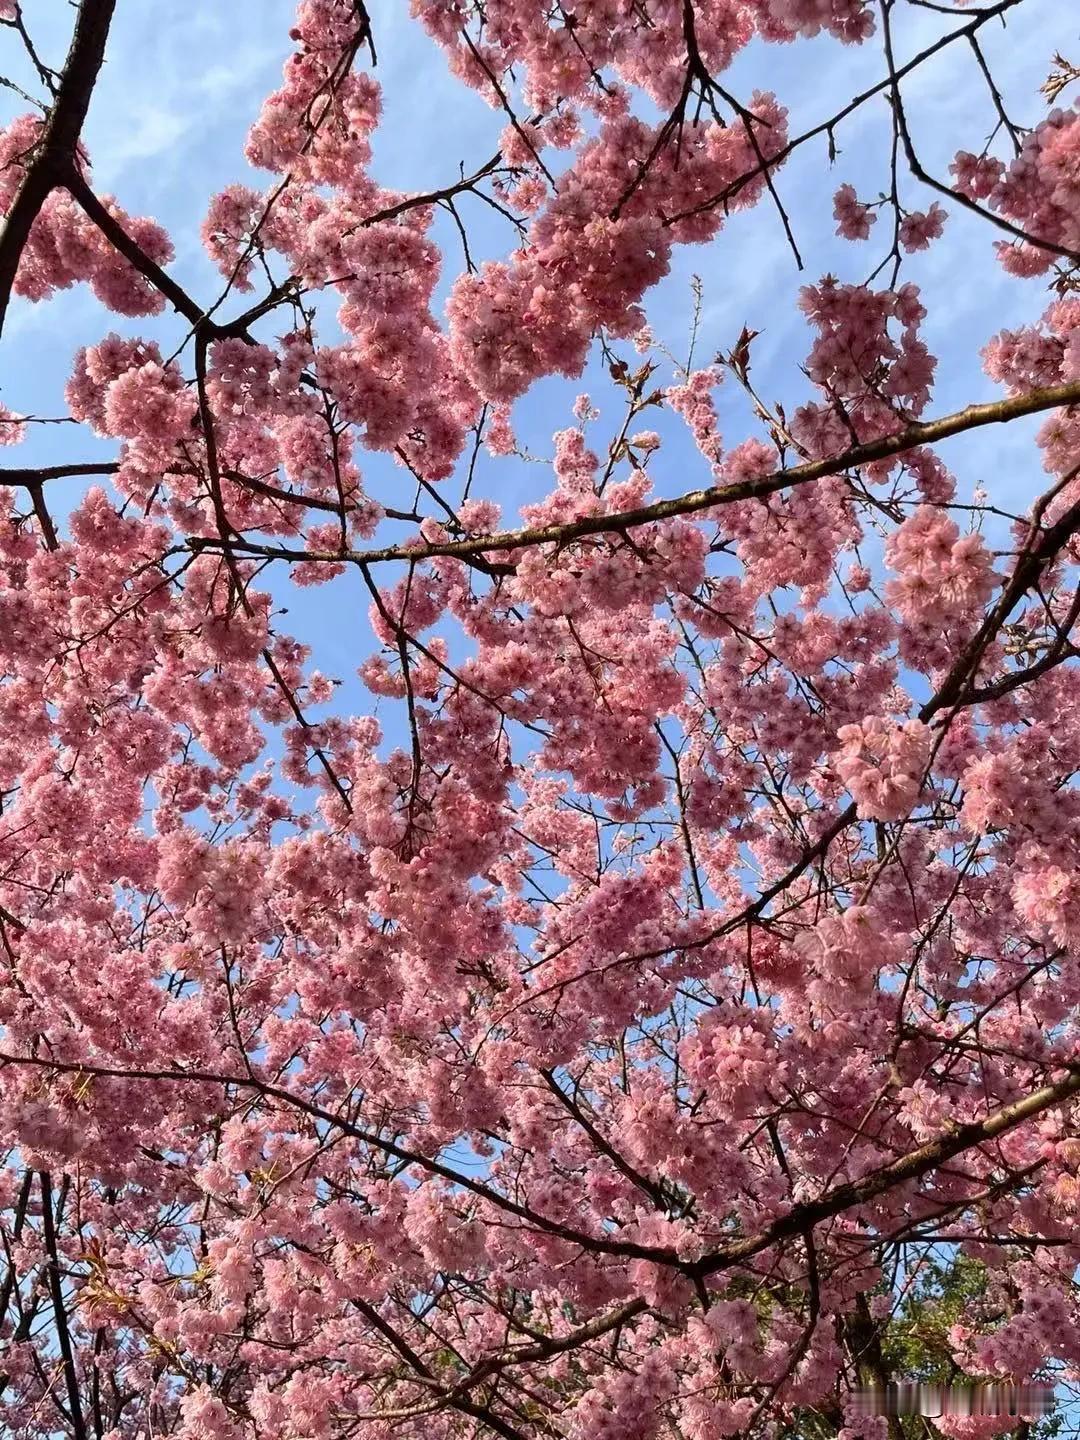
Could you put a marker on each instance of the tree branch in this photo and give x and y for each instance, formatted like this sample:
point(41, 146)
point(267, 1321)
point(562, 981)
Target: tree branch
point(912, 1166)
point(55, 157)
point(909, 438)
point(56, 1290)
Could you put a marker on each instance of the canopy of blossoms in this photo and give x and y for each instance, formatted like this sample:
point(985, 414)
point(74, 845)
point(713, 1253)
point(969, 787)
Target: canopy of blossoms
point(586, 1040)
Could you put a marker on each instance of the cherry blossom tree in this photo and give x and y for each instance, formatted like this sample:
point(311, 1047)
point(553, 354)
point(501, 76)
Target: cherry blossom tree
point(605, 1034)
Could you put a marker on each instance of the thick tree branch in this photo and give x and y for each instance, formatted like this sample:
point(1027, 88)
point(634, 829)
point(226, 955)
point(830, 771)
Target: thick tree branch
point(600, 1244)
point(80, 191)
point(33, 478)
point(912, 1166)
point(55, 157)
point(911, 437)
point(60, 1316)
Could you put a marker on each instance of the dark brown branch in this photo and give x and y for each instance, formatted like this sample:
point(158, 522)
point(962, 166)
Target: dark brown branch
point(16, 1233)
point(766, 166)
point(912, 1166)
point(11, 1279)
point(448, 1400)
point(626, 1249)
point(199, 318)
point(56, 1290)
point(911, 437)
point(44, 519)
point(429, 197)
point(387, 1331)
point(1023, 1242)
point(800, 1220)
point(33, 478)
point(45, 73)
point(132, 252)
point(507, 107)
point(921, 173)
point(306, 726)
point(649, 1187)
point(1017, 679)
point(55, 156)
point(828, 127)
point(29, 478)
point(1040, 547)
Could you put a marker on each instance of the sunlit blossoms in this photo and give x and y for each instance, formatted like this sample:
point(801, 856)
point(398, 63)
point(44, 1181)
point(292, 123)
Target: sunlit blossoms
point(613, 974)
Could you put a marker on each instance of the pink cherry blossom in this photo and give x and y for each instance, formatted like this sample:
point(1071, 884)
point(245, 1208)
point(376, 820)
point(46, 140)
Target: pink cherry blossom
point(883, 765)
point(853, 218)
point(918, 228)
point(522, 915)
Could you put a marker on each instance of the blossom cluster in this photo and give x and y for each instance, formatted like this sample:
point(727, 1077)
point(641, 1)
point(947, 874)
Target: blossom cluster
point(542, 1004)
